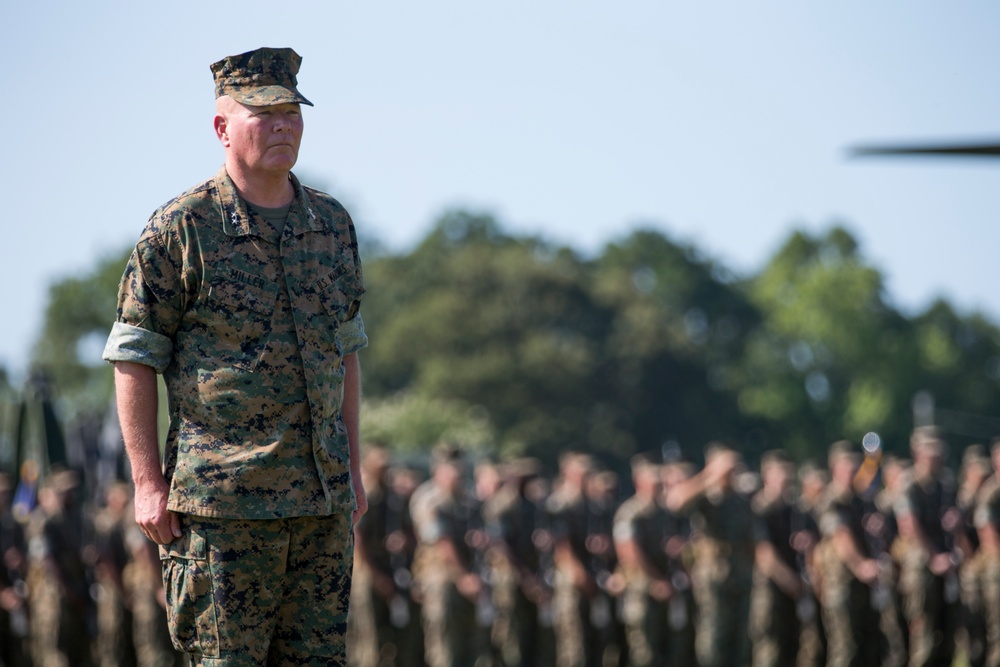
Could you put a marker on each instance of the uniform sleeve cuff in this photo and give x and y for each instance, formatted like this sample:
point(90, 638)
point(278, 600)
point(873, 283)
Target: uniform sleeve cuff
point(141, 346)
point(352, 335)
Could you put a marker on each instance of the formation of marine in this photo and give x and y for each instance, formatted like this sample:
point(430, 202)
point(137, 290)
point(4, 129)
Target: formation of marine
point(79, 584)
point(866, 559)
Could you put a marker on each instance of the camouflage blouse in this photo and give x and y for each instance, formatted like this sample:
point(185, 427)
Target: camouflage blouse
point(248, 325)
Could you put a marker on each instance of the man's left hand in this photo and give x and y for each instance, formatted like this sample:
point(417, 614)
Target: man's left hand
point(359, 493)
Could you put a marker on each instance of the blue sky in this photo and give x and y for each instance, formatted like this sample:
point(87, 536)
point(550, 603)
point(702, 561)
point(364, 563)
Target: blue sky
point(724, 124)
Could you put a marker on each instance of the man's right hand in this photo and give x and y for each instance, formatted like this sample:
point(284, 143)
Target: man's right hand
point(152, 516)
point(136, 392)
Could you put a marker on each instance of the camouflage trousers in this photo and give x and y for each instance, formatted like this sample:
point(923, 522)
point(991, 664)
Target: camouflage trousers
point(151, 635)
point(812, 638)
point(930, 615)
point(981, 596)
point(647, 626)
point(517, 633)
point(115, 645)
point(774, 625)
point(853, 626)
point(270, 592)
point(380, 632)
point(60, 636)
point(363, 640)
point(451, 634)
point(577, 643)
point(723, 601)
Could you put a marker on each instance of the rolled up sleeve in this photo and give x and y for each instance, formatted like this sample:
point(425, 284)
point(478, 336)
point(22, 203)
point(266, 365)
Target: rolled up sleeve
point(138, 345)
point(352, 336)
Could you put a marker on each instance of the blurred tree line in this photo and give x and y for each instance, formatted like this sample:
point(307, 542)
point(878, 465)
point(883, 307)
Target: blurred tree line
point(512, 345)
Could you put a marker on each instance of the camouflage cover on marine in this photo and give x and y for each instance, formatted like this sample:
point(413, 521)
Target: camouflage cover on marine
point(261, 77)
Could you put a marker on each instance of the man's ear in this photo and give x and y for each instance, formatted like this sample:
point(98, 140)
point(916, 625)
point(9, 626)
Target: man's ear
point(221, 129)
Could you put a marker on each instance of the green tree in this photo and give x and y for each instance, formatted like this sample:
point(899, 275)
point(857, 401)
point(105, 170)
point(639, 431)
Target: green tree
point(679, 326)
point(957, 364)
point(476, 316)
point(831, 358)
point(77, 321)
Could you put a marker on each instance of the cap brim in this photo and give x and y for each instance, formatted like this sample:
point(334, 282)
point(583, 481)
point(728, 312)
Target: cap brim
point(268, 95)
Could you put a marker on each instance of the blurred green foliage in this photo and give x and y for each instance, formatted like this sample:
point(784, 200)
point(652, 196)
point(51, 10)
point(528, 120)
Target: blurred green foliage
point(511, 345)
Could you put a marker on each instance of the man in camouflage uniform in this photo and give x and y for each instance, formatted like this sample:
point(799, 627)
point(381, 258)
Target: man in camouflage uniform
point(987, 563)
point(678, 551)
point(928, 581)
point(976, 469)
point(244, 293)
point(62, 610)
point(13, 548)
point(143, 581)
point(885, 530)
point(401, 542)
point(602, 503)
point(115, 643)
point(722, 572)
point(640, 535)
point(847, 568)
point(575, 586)
point(777, 580)
point(812, 639)
point(370, 630)
point(445, 516)
point(511, 519)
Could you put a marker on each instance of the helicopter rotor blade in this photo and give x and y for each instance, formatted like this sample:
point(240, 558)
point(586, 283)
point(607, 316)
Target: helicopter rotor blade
point(986, 149)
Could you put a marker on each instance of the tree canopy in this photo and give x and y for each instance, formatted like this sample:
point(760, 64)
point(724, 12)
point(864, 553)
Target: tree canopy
point(513, 345)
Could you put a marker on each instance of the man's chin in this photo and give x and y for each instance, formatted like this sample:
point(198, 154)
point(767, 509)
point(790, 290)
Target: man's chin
point(279, 165)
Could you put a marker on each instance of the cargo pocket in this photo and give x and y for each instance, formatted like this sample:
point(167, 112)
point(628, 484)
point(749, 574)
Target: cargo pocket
point(187, 581)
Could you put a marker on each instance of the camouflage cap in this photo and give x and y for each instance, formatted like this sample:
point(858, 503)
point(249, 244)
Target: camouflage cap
point(521, 468)
point(776, 457)
point(645, 461)
point(843, 449)
point(259, 78)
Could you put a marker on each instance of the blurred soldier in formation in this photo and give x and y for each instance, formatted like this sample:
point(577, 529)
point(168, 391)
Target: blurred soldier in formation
point(722, 571)
point(575, 585)
point(143, 581)
point(986, 567)
point(401, 542)
point(538, 490)
point(371, 640)
point(13, 611)
point(443, 516)
point(778, 580)
point(928, 580)
point(682, 605)
point(975, 471)
point(640, 534)
point(601, 490)
point(848, 568)
point(62, 611)
point(512, 518)
point(115, 643)
point(487, 483)
point(812, 636)
point(895, 477)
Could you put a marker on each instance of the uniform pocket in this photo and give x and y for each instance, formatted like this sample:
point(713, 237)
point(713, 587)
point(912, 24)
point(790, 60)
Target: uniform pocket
point(187, 581)
point(340, 292)
point(241, 307)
